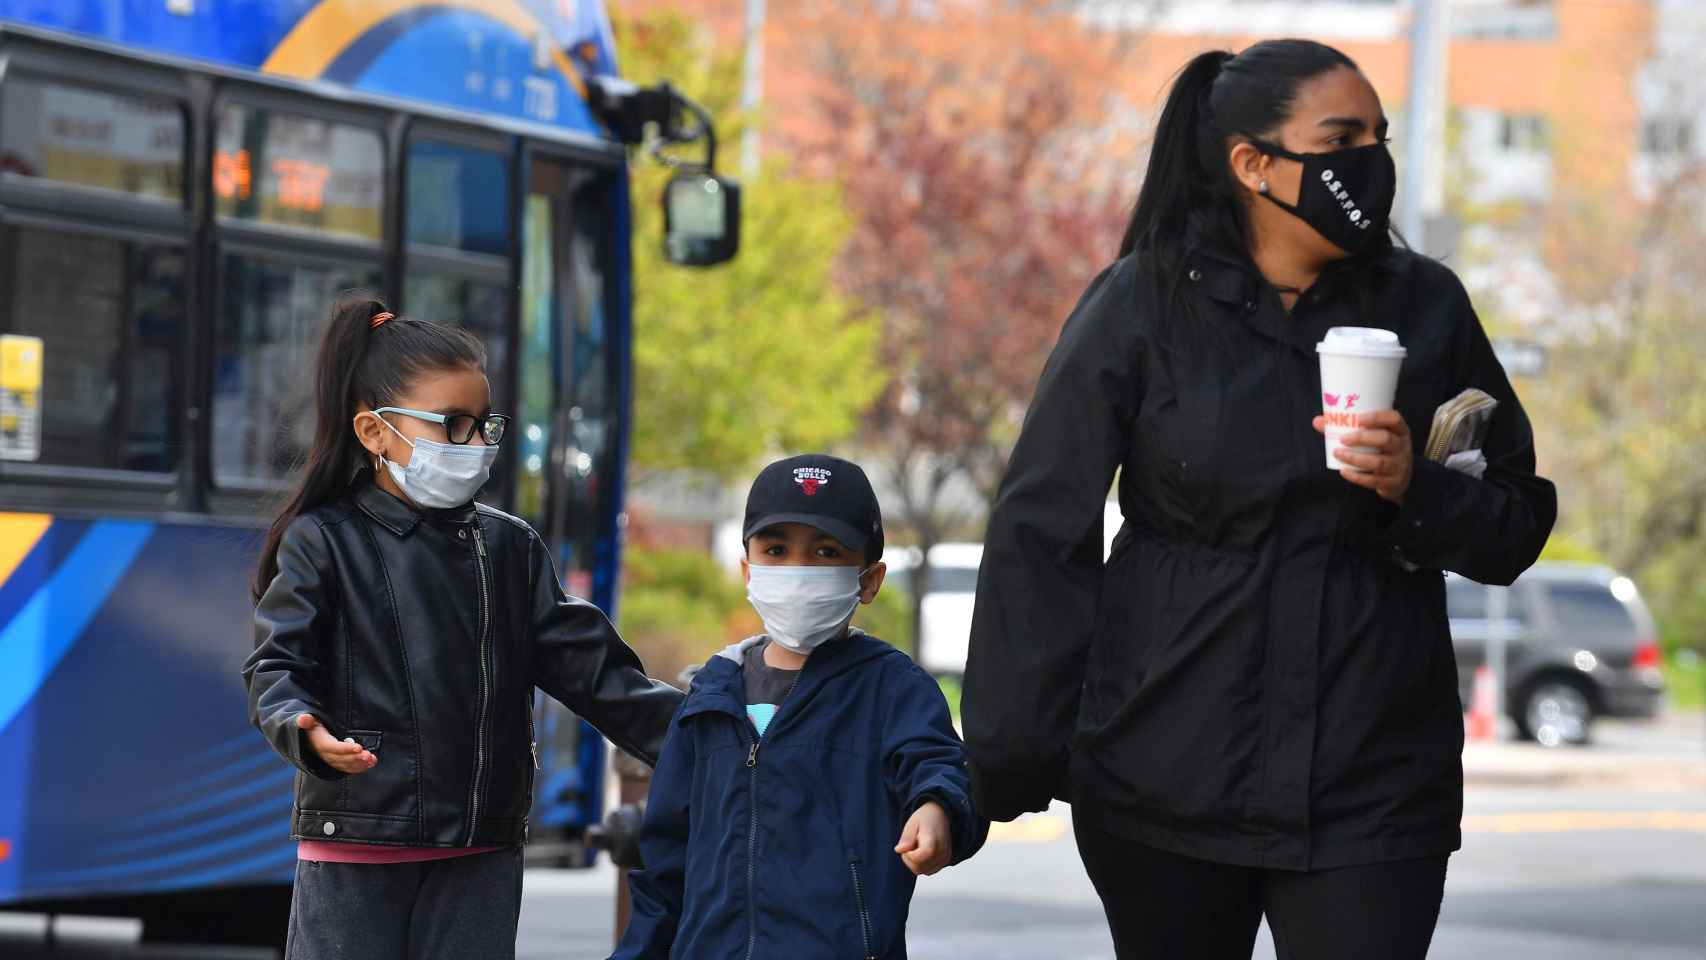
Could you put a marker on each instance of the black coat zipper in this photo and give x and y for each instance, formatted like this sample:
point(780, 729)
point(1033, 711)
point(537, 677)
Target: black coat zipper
point(752, 824)
point(864, 911)
point(485, 688)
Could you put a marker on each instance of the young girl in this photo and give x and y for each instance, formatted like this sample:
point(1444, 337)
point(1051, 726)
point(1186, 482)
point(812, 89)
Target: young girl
point(401, 629)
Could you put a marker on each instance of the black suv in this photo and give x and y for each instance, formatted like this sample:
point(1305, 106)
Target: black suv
point(1580, 645)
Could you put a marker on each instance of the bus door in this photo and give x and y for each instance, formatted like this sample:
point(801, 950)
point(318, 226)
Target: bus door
point(567, 465)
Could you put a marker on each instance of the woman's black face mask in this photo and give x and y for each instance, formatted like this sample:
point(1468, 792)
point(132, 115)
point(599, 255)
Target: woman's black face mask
point(1346, 195)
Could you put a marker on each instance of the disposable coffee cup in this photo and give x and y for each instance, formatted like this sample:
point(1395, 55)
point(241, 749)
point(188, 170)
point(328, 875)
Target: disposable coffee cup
point(1359, 374)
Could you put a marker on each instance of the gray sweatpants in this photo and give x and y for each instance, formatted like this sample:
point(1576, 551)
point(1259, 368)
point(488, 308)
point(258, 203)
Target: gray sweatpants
point(465, 908)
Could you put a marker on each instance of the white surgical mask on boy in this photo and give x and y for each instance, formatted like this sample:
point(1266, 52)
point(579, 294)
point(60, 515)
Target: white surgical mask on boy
point(804, 607)
point(441, 475)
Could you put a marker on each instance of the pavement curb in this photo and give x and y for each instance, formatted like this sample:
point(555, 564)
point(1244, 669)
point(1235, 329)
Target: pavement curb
point(1522, 767)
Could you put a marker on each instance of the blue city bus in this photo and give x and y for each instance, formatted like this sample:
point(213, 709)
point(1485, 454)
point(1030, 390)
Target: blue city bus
point(184, 186)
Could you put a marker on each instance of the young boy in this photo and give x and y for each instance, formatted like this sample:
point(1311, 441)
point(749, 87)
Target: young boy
point(813, 772)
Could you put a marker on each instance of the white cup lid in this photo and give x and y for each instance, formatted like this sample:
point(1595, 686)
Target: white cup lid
point(1361, 342)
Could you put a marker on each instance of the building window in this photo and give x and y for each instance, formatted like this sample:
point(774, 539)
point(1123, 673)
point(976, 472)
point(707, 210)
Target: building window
point(1667, 136)
point(1538, 22)
point(1525, 132)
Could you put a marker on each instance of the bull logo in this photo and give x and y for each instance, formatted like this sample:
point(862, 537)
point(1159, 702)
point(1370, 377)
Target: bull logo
point(811, 479)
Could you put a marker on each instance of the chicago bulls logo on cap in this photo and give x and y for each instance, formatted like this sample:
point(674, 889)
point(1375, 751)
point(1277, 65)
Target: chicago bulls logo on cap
point(810, 479)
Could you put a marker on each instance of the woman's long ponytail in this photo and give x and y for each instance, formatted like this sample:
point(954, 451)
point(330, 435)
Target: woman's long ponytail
point(1190, 190)
point(1176, 181)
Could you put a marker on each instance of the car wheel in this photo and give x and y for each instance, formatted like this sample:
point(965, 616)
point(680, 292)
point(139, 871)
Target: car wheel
point(1556, 712)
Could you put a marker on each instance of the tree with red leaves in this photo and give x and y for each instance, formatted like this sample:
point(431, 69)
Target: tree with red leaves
point(980, 154)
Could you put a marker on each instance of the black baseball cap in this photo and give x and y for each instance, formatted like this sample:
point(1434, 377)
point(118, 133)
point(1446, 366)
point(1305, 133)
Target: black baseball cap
point(820, 491)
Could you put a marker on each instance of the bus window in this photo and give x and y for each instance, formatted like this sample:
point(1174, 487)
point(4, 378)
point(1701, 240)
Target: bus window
point(270, 315)
point(443, 297)
point(297, 171)
point(458, 198)
point(109, 314)
point(457, 223)
point(92, 139)
point(482, 308)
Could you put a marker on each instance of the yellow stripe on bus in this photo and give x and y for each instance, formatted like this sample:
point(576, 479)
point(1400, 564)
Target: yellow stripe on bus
point(326, 31)
point(19, 534)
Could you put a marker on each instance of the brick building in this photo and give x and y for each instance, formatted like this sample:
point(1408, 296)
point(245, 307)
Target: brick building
point(1540, 89)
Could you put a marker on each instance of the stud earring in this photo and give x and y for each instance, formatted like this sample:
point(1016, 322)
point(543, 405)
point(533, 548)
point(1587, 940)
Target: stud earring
point(1262, 187)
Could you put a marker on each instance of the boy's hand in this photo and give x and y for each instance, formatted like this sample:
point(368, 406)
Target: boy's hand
point(926, 845)
point(345, 757)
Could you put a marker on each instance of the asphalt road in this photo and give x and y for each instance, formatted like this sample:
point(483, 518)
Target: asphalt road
point(1545, 874)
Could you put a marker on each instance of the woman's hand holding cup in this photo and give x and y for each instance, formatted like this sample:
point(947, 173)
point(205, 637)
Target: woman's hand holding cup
point(1368, 442)
point(1386, 471)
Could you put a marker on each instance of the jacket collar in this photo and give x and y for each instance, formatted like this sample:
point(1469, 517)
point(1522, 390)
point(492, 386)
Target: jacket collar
point(720, 685)
point(1230, 277)
point(396, 515)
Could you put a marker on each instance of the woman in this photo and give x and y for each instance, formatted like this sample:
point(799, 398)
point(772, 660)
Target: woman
point(1253, 706)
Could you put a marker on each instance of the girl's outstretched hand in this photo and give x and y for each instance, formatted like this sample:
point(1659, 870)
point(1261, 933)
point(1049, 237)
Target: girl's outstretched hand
point(926, 845)
point(345, 756)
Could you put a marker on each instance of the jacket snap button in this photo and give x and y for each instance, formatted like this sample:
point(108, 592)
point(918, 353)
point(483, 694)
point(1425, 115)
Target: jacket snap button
point(1249, 306)
point(461, 534)
point(329, 829)
point(1195, 275)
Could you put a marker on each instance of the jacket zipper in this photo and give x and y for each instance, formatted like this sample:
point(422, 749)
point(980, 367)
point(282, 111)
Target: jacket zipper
point(485, 689)
point(532, 733)
point(752, 824)
point(533, 745)
point(864, 912)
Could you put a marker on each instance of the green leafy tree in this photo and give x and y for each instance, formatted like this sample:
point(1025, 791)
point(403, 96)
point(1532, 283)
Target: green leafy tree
point(758, 355)
point(679, 607)
point(1620, 411)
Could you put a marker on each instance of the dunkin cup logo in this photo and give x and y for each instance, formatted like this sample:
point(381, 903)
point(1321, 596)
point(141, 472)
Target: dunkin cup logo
point(810, 479)
point(1340, 410)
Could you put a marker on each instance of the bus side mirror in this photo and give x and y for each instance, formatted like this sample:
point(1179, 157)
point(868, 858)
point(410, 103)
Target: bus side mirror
point(701, 219)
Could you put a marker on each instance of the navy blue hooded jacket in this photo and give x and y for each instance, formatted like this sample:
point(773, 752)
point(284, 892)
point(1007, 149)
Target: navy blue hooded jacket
point(782, 846)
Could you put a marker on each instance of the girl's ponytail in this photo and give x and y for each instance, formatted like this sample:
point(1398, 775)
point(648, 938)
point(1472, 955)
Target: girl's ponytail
point(336, 455)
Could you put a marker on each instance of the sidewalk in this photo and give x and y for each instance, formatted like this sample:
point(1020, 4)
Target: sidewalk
point(1666, 754)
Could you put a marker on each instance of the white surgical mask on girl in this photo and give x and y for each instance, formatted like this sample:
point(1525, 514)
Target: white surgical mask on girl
point(441, 475)
point(804, 607)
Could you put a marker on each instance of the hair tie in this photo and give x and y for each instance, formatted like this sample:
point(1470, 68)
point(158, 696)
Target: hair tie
point(380, 318)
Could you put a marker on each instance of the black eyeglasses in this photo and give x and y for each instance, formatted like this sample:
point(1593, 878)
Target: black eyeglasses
point(459, 427)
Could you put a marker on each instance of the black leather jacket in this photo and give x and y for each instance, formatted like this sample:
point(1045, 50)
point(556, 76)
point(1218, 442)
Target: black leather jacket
point(422, 636)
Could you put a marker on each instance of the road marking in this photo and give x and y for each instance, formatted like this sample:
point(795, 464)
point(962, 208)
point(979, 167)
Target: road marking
point(1573, 821)
point(1029, 830)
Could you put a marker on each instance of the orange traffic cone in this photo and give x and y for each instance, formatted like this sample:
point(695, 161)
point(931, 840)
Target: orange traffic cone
point(1481, 723)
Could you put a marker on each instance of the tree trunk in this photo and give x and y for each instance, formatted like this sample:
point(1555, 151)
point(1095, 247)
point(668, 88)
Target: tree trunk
point(920, 587)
